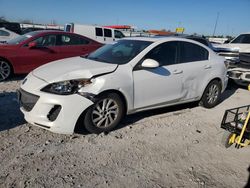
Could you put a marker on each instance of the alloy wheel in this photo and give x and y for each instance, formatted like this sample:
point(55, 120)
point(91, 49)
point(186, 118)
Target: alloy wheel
point(5, 70)
point(105, 112)
point(213, 93)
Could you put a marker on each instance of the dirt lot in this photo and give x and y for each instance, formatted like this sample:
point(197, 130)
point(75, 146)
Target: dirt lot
point(172, 147)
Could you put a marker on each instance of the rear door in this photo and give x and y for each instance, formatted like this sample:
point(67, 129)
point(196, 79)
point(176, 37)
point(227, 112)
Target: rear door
point(196, 67)
point(74, 45)
point(99, 34)
point(108, 35)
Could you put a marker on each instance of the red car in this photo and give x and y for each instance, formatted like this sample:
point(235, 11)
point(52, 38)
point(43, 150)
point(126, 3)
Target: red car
point(29, 51)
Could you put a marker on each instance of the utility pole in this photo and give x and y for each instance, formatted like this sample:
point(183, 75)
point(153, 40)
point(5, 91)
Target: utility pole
point(217, 18)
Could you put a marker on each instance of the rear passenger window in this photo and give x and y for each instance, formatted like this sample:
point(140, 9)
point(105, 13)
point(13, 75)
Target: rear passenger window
point(107, 33)
point(98, 32)
point(72, 40)
point(165, 54)
point(191, 52)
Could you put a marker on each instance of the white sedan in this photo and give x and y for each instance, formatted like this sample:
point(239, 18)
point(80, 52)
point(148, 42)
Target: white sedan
point(6, 35)
point(132, 75)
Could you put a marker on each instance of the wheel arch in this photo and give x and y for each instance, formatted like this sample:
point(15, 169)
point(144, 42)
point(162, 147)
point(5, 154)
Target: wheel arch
point(211, 80)
point(79, 126)
point(11, 66)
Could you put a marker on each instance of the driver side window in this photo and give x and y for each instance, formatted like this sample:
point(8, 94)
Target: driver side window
point(164, 54)
point(47, 40)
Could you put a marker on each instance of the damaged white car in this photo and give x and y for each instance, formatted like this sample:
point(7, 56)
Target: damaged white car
point(129, 76)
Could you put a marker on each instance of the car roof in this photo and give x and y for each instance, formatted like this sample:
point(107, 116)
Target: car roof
point(158, 38)
point(49, 31)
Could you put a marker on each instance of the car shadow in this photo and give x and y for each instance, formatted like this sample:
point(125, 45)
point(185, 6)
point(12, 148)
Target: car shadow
point(17, 77)
point(10, 114)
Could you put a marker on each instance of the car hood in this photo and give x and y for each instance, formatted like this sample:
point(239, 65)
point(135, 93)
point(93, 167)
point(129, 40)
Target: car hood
point(234, 47)
point(225, 48)
point(72, 68)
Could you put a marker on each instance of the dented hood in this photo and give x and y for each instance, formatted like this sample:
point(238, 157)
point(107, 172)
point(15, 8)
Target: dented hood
point(72, 68)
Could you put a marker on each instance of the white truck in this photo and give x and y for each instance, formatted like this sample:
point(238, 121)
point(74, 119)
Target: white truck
point(97, 33)
point(231, 50)
point(240, 72)
point(237, 52)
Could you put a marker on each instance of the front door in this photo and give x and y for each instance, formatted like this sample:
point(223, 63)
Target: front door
point(162, 85)
point(45, 51)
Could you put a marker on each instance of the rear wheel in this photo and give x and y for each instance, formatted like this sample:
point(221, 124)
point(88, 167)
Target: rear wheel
point(105, 114)
point(5, 70)
point(211, 94)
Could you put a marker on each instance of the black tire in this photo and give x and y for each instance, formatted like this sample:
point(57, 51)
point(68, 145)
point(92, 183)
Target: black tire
point(225, 139)
point(206, 100)
point(5, 70)
point(105, 113)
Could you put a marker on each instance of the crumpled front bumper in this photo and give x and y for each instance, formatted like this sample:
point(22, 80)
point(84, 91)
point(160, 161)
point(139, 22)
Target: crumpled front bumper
point(66, 109)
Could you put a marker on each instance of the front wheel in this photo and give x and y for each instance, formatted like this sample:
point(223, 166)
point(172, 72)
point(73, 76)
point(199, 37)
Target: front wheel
point(5, 70)
point(211, 94)
point(105, 114)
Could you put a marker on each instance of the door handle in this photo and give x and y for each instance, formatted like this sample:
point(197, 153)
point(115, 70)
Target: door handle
point(177, 72)
point(208, 67)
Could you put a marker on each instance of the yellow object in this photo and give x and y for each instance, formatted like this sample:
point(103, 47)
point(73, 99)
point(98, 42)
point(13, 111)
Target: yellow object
point(180, 30)
point(249, 87)
point(232, 138)
point(243, 130)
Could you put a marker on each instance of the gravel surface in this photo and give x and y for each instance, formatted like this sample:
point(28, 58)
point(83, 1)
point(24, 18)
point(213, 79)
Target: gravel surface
point(171, 147)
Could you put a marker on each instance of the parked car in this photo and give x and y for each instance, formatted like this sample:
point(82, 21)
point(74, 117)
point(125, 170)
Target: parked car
point(98, 33)
point(12, 26)
point(240, 72)
point(6, 35)
point(30, 29)
point(29, 51)
point(132, 75)
point(240, 44)
point(197, 38)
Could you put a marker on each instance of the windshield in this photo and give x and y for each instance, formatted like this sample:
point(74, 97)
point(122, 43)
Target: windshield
point(244, 39)
point(119, 53)
point(21, 38)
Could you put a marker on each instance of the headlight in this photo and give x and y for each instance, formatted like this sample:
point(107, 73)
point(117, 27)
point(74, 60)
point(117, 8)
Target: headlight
point(66, 87)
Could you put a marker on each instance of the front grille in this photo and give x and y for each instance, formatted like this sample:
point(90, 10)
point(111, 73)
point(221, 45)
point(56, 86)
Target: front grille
point(232, 74)
point(245, 57)
point(27, 100)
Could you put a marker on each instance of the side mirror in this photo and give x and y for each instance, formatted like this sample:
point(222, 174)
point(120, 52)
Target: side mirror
point(32, 44)
point(150, 63)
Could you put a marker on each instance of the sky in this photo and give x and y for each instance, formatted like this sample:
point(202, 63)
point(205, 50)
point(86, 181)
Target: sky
point(196, 16)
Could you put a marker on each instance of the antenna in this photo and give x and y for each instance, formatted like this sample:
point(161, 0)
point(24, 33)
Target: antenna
point(217, 18)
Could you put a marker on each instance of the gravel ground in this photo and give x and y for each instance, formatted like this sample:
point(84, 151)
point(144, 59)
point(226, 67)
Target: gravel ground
point(171, 147)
